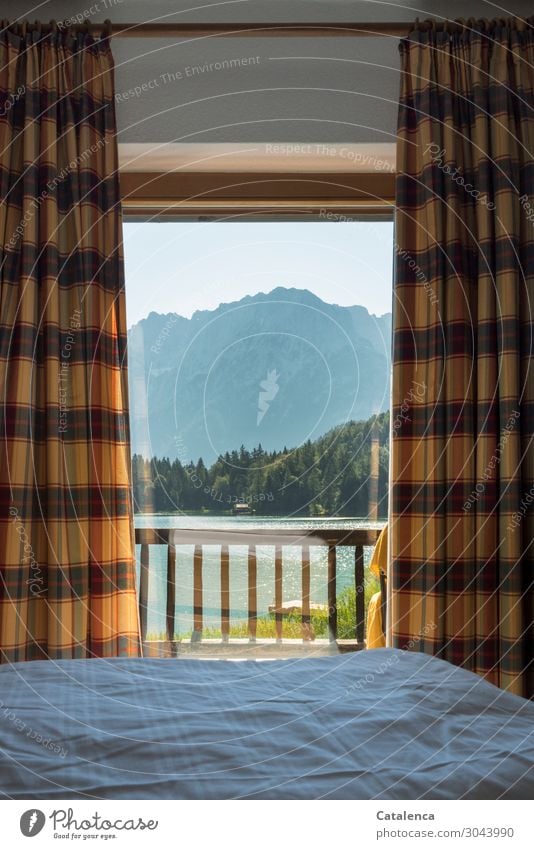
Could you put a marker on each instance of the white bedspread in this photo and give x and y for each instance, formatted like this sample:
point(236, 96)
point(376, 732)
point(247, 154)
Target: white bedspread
point(378, 724)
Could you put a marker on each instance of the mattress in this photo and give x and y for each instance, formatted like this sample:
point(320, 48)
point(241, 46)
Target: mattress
point(381, 724)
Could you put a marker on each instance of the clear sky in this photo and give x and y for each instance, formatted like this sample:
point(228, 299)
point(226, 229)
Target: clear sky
point(183, 267)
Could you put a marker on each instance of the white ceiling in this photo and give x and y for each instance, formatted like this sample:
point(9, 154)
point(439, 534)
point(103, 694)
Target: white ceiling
point(332, 90)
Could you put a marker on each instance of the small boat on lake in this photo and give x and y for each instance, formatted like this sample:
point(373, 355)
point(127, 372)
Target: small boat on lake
point(242, 508)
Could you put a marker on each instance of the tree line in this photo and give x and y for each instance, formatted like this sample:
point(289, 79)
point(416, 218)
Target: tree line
point(342, 473)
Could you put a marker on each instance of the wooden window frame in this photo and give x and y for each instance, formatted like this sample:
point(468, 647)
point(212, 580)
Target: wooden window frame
point(244, 195)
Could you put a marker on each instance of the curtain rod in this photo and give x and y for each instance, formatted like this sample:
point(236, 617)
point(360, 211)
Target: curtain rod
point(397, 29)
point(257, 30)
point(366, 29)
point(233, 30)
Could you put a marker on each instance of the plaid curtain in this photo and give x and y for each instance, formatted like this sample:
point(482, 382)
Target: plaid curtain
point(462, 452)
point(67, 567)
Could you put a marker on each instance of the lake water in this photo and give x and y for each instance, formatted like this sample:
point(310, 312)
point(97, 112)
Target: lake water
point(239, 568)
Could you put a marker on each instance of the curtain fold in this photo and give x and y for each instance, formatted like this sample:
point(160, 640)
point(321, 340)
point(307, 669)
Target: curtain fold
point(67, 563)
point(462, 523)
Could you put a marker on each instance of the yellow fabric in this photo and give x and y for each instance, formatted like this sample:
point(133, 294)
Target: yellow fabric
point(375, 634)
point(378, 563)
point(379, 557)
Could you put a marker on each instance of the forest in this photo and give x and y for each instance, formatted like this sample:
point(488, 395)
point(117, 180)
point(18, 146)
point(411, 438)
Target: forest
point(343, 473)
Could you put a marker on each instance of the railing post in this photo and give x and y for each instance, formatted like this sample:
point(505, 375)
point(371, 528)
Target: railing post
point(306, 620)
point(171, 593)
point(360, 592)
point(332, 594)
point(198, 604)
point(252, 594)
point(225, 593)
point(278, 592)
point(143, 591)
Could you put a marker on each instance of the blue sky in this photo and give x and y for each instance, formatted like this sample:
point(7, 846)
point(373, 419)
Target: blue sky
point(183, 267)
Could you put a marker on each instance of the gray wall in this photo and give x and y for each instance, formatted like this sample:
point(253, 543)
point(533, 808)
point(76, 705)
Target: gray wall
point(308, 90)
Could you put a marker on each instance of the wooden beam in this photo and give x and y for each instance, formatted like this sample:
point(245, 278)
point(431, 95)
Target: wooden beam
point(242, 196)
point(258, 536)
point(207, 187)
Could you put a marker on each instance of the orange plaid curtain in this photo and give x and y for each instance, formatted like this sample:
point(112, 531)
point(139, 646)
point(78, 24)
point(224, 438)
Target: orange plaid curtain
point(67, 567)
point(462, 523)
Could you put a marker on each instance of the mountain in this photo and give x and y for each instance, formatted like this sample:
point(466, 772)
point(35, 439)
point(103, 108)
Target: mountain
point(278, 369)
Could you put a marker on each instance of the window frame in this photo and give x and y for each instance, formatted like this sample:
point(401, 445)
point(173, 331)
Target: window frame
point(219, 195)
point(254, 196)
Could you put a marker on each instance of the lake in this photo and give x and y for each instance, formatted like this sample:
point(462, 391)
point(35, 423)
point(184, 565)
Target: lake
point(238, 568)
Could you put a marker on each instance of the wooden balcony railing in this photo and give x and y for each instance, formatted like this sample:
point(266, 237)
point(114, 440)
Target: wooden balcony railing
point(300, 538)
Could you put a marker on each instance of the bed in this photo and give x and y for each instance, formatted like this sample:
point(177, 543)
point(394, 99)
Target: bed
point(381, 724)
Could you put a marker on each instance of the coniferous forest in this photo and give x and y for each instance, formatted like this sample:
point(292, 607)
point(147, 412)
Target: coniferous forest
point(328, 477)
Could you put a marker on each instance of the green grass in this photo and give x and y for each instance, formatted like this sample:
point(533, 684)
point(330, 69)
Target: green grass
point(291, 625)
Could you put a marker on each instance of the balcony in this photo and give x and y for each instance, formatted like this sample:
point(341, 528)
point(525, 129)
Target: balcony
point(289, 550)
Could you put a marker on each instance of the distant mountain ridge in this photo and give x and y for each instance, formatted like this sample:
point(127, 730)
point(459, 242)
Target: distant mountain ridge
point(277, 368)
